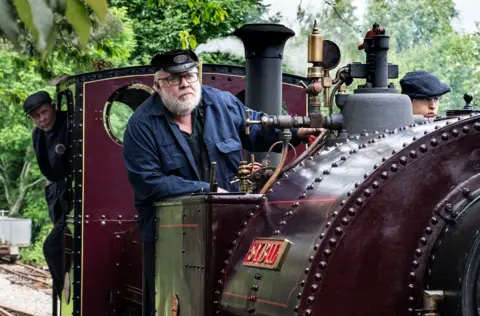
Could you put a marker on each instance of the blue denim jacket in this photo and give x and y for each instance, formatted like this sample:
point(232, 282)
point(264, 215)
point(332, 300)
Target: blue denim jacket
point(159, 161)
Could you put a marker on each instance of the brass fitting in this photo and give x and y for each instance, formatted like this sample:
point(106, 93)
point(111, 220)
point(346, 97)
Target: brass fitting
point(315, 53)
point(244, 172)
point(316, 71)
point(430, 299)
point(315, 45)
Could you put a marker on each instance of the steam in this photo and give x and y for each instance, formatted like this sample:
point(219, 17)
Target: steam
point(295, 53)
point(230, 45)
point(295, 56)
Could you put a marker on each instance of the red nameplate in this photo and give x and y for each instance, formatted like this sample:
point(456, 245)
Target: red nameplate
point(267, 253)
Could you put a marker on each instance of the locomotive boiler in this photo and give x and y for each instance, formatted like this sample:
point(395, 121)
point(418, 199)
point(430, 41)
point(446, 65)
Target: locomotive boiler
point(365, 226)
point(377, 216)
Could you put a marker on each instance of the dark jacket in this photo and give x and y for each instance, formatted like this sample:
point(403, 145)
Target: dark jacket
point(160, 163)
point(53, 163)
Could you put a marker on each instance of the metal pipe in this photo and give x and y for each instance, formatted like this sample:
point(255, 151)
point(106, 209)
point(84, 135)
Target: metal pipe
point(381, 45)
point(309, 151)
point(278, 170)
point(264, 45)
point(335, 89)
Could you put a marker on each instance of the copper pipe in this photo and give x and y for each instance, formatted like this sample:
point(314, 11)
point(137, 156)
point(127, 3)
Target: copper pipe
point(279, 142)
point(277, 171)
point(310, 150)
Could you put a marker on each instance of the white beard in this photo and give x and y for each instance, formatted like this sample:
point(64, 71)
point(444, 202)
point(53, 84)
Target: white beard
point(177, 107)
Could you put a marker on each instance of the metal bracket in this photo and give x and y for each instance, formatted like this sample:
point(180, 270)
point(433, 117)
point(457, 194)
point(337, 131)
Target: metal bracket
point(430, 300)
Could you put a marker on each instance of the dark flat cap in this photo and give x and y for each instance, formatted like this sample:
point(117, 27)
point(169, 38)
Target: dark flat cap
point(175, 61)
point(422, 84)
point(35, 100)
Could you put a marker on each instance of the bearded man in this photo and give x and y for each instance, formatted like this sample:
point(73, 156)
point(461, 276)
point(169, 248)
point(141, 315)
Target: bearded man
point(172, 138)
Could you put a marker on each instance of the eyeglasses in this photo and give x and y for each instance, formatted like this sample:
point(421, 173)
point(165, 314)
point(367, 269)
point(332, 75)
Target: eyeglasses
point(175, 80)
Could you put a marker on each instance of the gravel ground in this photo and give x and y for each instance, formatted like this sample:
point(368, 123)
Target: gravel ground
point(24, 298)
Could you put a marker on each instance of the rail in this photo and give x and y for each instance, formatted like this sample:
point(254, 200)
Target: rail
point(8, 311)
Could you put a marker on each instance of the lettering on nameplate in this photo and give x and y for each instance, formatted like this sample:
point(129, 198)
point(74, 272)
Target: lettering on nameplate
point(267, 253)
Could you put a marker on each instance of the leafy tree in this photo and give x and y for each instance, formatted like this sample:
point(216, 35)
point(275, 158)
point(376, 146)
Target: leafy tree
point(412, 22)
point(453, 58)
point(39, 19)
point(424, 28)
point(18, 171)
point(24, 73)
point(120, 113)
point(337, 22)
point(166, 25)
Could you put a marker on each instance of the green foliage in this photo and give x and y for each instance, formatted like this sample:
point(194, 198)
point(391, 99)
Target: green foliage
point(221, 58)
point(119, 115)
point(36, 209)
point(416, 28)
point(454, 59)
point(336, 22)
point(77, 16)
point(163, 25)
point(424, 28)
point(40, 21)
point(412, 22)
point(21, 74)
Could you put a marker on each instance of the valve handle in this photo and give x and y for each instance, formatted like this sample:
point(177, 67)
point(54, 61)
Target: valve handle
point(248, 122)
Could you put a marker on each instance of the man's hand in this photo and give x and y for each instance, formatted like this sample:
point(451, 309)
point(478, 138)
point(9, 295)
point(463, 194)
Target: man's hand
point(305, 132)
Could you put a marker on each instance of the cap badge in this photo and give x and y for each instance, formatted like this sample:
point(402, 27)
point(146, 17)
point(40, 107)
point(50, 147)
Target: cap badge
point(180, 59)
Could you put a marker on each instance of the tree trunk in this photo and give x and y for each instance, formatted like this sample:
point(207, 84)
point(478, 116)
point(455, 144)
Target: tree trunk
point(16, 201)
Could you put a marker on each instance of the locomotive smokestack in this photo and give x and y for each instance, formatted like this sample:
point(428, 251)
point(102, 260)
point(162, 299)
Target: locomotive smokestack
point(264, 45)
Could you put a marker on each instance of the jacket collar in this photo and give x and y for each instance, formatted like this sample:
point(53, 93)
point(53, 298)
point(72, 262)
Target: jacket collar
point(157, 108)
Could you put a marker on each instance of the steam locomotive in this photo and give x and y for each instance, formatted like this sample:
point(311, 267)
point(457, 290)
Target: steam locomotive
point(378, 216)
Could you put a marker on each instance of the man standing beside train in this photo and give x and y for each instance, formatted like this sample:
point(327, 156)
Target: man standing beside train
point(50, 143)
point(173, 137)
point(424, 89)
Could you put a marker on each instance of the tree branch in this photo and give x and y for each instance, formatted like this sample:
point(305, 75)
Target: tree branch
point(3, 165)
point(34, 183)
point(5, 180)
point(7, 191)
point(24, 170)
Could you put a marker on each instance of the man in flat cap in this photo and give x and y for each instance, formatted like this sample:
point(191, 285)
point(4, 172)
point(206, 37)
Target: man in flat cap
point(172, 138)
point(49, 139)
point(424, 89)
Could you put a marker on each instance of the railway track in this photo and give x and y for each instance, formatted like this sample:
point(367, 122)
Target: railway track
point(27, 275)
point(8, 311)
